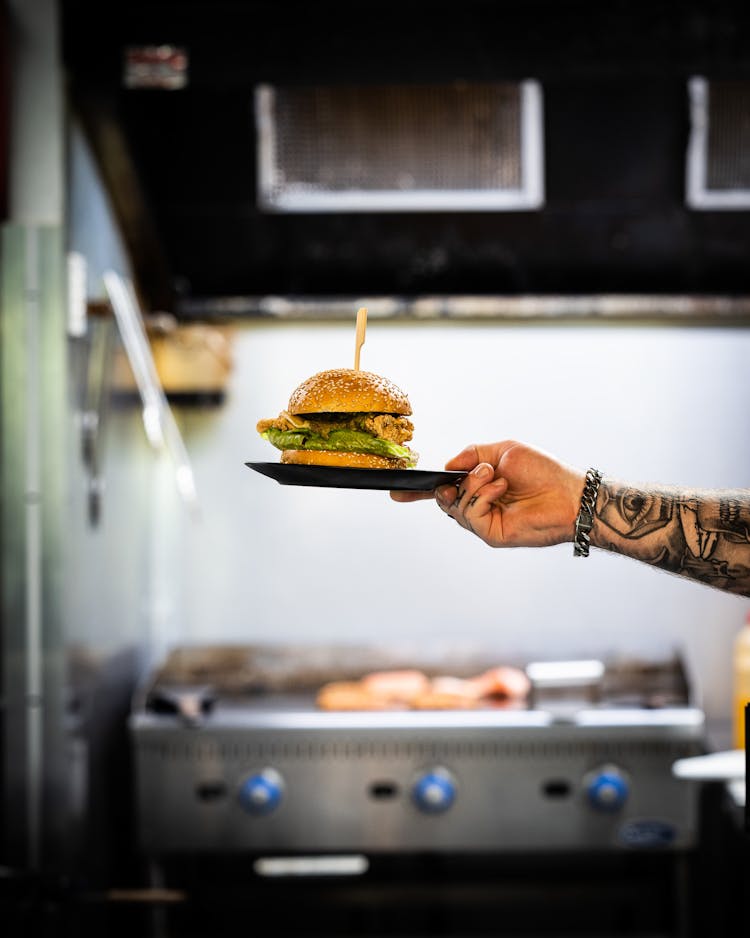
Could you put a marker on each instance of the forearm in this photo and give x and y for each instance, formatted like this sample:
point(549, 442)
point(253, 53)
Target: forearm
point(701, 535)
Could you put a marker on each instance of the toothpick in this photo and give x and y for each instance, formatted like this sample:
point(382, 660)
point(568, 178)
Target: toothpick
point(360, 339)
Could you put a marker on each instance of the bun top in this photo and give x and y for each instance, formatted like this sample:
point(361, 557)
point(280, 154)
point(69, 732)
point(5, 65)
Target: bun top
point(348, 391)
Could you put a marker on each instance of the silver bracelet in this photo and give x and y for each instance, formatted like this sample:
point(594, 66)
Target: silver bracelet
point(585, 519)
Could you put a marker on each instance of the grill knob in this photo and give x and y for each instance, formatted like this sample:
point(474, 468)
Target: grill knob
point(435, 791)
point(607, 789)
point(261, 792)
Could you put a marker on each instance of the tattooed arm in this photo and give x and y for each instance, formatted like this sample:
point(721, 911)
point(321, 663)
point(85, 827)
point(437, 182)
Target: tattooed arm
point(702, 535)
point(516, 496)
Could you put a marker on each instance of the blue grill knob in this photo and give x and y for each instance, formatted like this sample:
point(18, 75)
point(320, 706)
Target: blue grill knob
point(435, 791)
point(261, 792)
point(607, 789)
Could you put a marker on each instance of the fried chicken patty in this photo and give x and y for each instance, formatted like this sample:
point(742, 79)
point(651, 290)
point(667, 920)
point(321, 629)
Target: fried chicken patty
point(387, 426)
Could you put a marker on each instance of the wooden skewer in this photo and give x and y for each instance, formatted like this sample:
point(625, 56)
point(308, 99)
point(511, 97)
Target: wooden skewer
point(360, 339)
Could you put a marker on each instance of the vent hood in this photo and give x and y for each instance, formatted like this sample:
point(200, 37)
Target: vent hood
point(170, 95)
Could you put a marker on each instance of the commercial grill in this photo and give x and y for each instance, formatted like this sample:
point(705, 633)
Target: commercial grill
point(233, 756)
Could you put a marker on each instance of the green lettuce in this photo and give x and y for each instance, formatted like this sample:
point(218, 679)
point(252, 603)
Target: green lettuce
point(349, 441)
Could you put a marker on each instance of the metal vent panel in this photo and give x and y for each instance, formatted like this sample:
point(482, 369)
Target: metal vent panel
point(316, 750)
point(718, 162)
point(407, 148)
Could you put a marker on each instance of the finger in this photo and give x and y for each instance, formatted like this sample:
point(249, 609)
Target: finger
point(480, 508)
point(453, 499)
point(481, 514)
point(472, 455)
point(405, 496)
point(467, 459)
point(449, 496)
point(475, 505)
point(445, 494)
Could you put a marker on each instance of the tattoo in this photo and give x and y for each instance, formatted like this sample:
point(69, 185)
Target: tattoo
point(472, 500)
point(704, 536)
point(457, 500)
point(634, 514)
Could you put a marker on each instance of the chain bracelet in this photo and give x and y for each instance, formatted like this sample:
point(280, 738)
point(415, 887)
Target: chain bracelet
point(585, 519)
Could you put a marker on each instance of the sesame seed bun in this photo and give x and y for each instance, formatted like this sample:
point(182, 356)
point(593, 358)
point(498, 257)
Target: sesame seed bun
point(348, 391)
point(325, 457)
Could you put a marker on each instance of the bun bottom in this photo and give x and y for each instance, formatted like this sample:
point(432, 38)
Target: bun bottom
point(327, 457)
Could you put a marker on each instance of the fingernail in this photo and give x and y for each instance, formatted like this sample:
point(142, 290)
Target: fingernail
point(445, 496)
point(482, 471)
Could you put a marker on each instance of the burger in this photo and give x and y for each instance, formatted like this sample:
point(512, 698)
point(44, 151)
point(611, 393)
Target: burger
point(344, 417)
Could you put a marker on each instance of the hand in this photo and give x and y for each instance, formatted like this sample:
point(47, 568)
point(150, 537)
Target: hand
point(512, 496)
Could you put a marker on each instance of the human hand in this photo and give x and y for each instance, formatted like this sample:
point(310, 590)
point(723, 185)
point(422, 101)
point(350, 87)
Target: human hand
point(512, 496)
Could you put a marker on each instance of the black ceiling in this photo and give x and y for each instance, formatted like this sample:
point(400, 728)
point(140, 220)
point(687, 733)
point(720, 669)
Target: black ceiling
point(616, 122)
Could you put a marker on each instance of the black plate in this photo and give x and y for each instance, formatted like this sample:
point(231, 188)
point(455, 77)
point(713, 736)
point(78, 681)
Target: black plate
point(409, 480)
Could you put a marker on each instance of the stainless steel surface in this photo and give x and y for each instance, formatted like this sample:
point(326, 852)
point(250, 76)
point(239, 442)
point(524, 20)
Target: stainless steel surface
point(629, 307)
point(161, 427)
point(512, 779)
point(71, 599)
point(33, 456)
point(32, 395)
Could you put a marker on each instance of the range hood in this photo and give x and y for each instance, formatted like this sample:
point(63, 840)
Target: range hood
point(173, 97)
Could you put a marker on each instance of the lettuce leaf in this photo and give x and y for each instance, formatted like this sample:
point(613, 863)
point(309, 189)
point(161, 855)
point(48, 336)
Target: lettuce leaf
point(349, 441)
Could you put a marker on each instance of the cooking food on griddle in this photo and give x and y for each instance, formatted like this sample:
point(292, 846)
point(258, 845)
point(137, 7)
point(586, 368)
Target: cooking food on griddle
point(400, 686)
point(344, 417)
point(411, 689)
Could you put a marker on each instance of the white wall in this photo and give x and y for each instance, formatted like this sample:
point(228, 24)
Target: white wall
point(280, 563)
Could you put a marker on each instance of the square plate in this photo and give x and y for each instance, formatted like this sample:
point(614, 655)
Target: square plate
point(407, 480)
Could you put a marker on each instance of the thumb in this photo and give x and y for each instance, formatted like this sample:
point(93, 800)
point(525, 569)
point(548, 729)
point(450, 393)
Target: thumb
point(467, 459)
